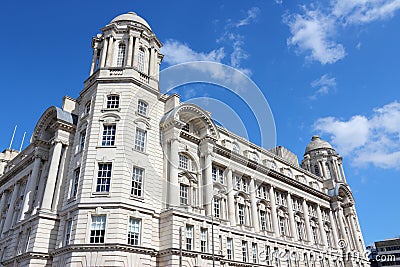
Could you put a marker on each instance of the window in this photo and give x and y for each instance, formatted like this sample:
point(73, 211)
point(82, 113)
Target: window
point(316, 170)
point(112, 101)
point(98, 229)
point(229, 248)
point(217, 207)
point(315, 234)
point(104, 177)
point(19, 248)
point(328, 238)
point(244, 251)
point(300, 230)
point(184, 194)
point(27, 240)
point(141, 60)
point(82, 139)
point(238, 183)
point(297, 206)
point(282, 226)
point(268, 255)
point(87, 108)
point(288, 262)
point(328, 171)
point(134, 232)
point(189, 237)
point(263, 222)
point(67, 233)
point(241, 214)
point(75, 183)
point(235, 148)
point(108, 135)
point(280, 198)
point(254, 252)
point(203, 240)
point(218, 174)
point(276, 257)
point(121, 55)
point(273, 166)
point(142, 108)
point(256, 158)
point(183, 162)
point(137, 181)
point(140, 140)
point(262, 192)
point(244, 184)
point(186, 127)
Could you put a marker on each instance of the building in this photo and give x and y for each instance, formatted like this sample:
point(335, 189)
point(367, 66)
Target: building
point(387, 252)
point(126, 176)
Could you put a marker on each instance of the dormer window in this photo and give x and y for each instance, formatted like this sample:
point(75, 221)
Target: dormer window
point(121, 55)
point(142, 108)
point(113, 101)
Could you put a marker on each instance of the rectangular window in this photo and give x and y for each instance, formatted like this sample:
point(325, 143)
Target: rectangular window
point(276, 257)
point(300, 230)
point(82, 139)
point(67, 234)
point(244, 251)
point(134, 232)
point(241, 214)
point(282, 226)
point(229, 248)
point(141, 60)
point(75, 183)
point(140, 140)
point(98, 229)
point(189, 237)
point(108, 135)
point(87, 107)
point(328, 238)
point(218, 174)
point(112, 101)
point(254, 252)
point(184, 194)
point(142, 108)
point(315, 234)
point(27, 240)
point(244, 184)
point(104, 177)
point(183, 162)
point(137, 182)
point(217, 207)
point(268, 255)
point(121, 55)
point(238, 182)
point(263, 222)
point(203, 240)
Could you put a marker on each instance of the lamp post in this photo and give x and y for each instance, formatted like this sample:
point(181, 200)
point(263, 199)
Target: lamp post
point(221, 191)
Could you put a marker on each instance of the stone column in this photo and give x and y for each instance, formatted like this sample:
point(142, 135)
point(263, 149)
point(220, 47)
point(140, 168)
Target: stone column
point(340, 217)
point(342, 172)
point(208, 183)
point(135, 52)
point(291, 217)
point(10, 212)
point(307, 222)
point(130, 52)
point(30, 188)
point(334, 230)
point(274, 214)
point(323, 169)
point(357, 244)
point(152, 61)
point(94, 59)
point(2, 203)
point(110, 51)
point(321, 227)
point(231, 198)
point(254, 213)
point(173, 161)
point(52, 176)
point(104, 53)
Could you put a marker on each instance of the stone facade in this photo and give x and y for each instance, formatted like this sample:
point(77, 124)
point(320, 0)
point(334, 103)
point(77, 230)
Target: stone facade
point(126, 176)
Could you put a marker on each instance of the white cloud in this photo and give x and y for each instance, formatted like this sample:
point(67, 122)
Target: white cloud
point(252, 15)
point(176, 52)
point(325, 84)
point(312, 32)
point(374, 140)
point(279, 2)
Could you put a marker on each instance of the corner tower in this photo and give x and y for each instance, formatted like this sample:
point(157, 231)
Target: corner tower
point(323, 161)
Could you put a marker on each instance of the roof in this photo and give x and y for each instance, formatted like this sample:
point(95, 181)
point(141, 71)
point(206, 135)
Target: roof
point(317, 143)
point(131, 16)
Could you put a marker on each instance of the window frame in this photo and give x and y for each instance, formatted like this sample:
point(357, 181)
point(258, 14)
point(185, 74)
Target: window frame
point(142, 108)
point(137, 182)
point(189, 234)
point(140, 145)
point(134, 237)
point(67, 232)
point(109, 134)
point(93, 236)
point(103, 183)
point(75, 182)
point(121, 55)
point(113, 101)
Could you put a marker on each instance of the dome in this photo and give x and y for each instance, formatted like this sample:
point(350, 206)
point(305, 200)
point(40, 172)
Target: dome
point(317, 143)
point(131, 16)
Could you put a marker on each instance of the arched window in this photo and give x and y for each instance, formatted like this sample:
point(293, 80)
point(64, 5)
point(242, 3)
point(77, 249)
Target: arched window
point(121, 55)
point(141, 60)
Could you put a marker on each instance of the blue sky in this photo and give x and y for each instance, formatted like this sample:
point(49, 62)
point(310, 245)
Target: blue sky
point(330, 68)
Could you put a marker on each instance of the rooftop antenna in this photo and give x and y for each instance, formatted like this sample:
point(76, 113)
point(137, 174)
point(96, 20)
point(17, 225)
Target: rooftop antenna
point(12, 138)
point(22, 143)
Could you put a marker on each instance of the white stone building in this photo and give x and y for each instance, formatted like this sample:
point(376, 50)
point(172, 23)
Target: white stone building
point(116, 176)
